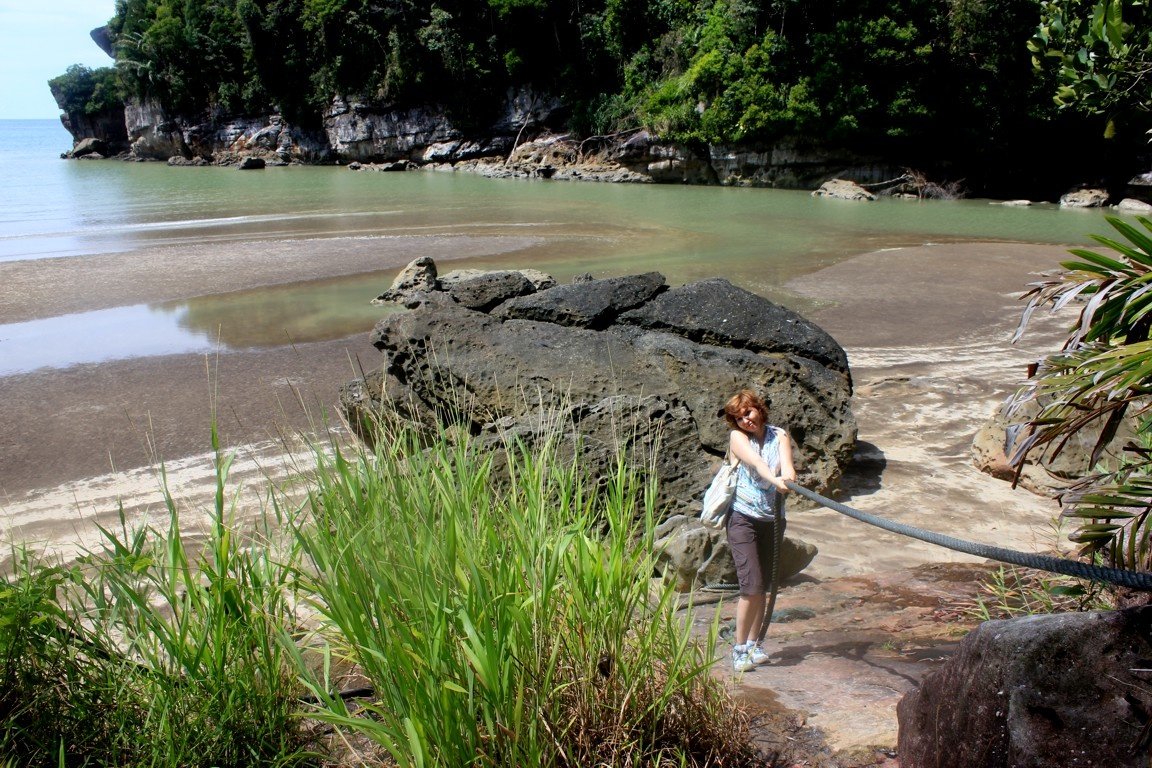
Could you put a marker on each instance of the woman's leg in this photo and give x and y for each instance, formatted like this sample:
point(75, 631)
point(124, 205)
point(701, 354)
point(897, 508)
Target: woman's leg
point(745, 542)
point(749, 616)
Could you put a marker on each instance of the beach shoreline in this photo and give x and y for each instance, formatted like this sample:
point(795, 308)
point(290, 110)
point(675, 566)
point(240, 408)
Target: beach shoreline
point(926, 330)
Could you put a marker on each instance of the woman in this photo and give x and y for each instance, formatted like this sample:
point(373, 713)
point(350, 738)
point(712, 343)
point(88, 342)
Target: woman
point(765, 456)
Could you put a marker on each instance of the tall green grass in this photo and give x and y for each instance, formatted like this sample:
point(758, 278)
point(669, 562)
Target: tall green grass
point(500, 604)
point(508, 622)
point(152, 651)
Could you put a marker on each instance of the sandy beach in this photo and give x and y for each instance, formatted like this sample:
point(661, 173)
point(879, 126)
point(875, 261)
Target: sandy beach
point(927, 333)
point(926, 330)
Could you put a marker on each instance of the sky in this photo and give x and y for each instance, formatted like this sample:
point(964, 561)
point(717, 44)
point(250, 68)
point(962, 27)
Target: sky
point(39, 39)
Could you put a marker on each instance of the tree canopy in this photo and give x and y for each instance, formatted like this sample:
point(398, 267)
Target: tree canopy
point(935, 78)
point(1101, 52)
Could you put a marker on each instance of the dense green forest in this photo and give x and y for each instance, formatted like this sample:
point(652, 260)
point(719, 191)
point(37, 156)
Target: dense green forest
point(941, 81)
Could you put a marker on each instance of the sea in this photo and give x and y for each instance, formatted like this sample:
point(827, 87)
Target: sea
point(85, 210)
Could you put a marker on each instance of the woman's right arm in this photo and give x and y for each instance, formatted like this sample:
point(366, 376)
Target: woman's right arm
point(743, 450)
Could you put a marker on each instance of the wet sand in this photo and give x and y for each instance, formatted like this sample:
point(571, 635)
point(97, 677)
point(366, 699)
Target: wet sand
point(926, 330)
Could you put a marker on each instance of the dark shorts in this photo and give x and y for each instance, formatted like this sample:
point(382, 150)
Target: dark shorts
point(751, 543)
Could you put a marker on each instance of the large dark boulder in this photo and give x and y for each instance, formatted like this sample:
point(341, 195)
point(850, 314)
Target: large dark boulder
point(1036, 692)
point(717, 313)
point(593, 304)
point(654, 390)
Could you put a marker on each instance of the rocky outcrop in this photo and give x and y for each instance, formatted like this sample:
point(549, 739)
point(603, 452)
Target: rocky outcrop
point(1132, 205)
point(90, 146)
point(1084, 198)
point(619, 361)
point(793, 164)
point(692, 556)
point(270, 138)
point(370, 135)
point(360, 131)
point(106, 126)
point(842, 189)
point(1042, 473)
point(1035, 692)
point(156, 136)
point(151, 133)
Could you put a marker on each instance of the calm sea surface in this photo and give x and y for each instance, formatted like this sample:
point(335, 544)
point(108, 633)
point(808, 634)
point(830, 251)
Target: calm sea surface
point(757, 238)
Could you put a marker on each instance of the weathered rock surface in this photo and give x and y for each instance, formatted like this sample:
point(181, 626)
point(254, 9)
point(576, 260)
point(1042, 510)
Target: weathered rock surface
point(521, 142)
point(151, 133)
point(582, 349)
point(476, 289)
point(1084, 198)
point(90, 146)
point(717, 313)
point(842, 189)
point(844, 651)
point(1132, 205)
point(576, 306)
point(693, 556)
point(1042, 473)
point(1059, 690)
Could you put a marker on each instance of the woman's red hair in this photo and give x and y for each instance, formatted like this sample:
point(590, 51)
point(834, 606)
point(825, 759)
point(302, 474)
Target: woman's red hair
point(739, 404)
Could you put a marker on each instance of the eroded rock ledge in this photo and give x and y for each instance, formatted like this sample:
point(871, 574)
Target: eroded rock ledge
point(523, 140)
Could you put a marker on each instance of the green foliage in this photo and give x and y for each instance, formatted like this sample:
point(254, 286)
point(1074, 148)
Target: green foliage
point(150, 654)
point(506, 620)
point(188, 55)
point(931, 77)
point(1100, 51)
point(1102, 376)
point(81, 90)
point(51, 693)
point(501, 606)
point(1011, 592)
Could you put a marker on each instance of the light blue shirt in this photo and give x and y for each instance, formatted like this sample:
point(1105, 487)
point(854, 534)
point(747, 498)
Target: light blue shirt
point(756, 497)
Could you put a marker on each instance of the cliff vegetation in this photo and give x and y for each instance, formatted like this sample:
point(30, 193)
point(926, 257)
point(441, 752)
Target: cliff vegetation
point(958, 87)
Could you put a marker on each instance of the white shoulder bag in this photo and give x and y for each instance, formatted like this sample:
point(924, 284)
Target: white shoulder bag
point(721, 491)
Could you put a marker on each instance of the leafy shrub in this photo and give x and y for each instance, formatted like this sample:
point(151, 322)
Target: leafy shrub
point(81, 90)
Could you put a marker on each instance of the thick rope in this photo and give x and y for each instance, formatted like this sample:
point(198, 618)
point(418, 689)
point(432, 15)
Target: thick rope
point(1139, 580)
point(777, 544)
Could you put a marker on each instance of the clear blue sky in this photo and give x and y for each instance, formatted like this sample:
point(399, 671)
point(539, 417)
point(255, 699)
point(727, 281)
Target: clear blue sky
point(39, 39)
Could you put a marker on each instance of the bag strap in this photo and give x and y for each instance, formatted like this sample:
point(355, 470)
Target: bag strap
point(730, 459)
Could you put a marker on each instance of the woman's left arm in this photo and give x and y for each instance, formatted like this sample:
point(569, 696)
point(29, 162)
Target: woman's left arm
point(787, 468)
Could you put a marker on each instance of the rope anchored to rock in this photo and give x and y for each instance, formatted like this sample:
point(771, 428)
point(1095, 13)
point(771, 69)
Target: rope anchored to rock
point(1139, 580)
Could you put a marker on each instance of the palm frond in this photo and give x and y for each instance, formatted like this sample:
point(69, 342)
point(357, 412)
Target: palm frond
point(1101, 377)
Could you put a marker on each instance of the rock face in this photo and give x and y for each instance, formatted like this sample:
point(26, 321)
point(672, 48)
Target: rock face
point(520, 142)
point(1084, 198)
point(1134, 206)
point(842, 189)
point(1043, 474)
point(625, 361)
point(1042, 691)
point(151, 133)
point(361, 131)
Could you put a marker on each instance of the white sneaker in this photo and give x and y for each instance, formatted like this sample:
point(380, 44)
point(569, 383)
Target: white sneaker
point(756, 655)
point(741, 662)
